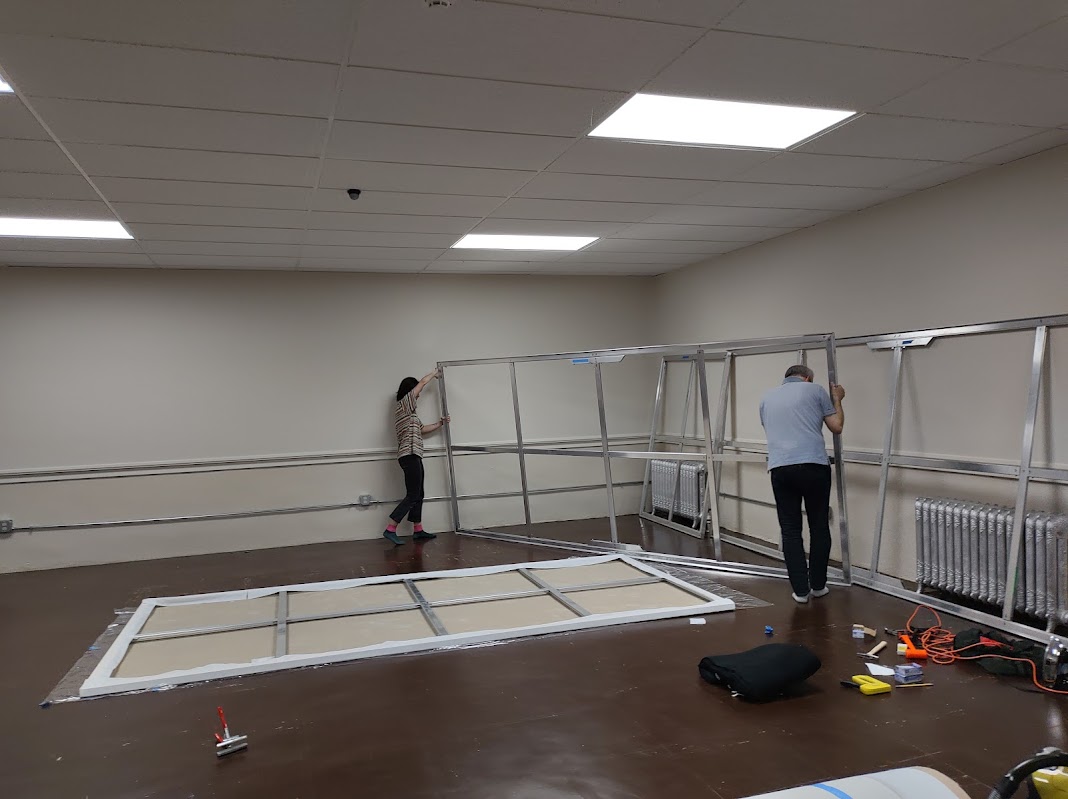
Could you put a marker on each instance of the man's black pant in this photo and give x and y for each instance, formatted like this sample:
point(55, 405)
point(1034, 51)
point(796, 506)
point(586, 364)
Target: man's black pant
point(811, 483)
point(412, 504)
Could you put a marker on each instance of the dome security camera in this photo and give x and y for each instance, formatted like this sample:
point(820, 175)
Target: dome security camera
point(354, 194)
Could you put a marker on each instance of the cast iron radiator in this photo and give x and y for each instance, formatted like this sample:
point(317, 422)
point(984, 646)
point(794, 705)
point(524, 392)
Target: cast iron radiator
point(962, 548)
point(685, 481)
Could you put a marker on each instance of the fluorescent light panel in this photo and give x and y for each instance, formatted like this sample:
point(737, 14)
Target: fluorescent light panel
point(686, 120)
point(62, 228)
point(5, 87)
point(481, 241)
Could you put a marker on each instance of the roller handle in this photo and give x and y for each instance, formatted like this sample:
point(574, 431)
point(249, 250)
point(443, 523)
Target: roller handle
point(1047, 758)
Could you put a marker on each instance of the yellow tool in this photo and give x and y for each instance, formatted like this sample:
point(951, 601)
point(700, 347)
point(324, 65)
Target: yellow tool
point(867, 685)
point(1051, 783)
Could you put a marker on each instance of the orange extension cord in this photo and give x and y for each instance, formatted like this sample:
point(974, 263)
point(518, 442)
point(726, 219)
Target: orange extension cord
point(938, 641)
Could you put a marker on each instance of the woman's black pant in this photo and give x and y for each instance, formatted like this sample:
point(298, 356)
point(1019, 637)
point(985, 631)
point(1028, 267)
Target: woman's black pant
point(412, 504)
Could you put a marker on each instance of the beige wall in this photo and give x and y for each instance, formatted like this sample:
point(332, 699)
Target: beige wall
point(196, 380)
point(988, 247)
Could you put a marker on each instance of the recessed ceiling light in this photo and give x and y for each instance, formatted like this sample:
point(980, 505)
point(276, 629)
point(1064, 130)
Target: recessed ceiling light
point(478, 241)
point(5, 87)
point(61, 228)
point(686, 120)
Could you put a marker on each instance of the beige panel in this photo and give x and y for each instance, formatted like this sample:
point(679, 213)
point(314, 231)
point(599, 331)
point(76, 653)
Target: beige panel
point(308, 603)
point(353, 632)
point(635, 597)
point(209, 614)
point(589, 575)
point(479, 585)
point(502, 614)
point(177, 654)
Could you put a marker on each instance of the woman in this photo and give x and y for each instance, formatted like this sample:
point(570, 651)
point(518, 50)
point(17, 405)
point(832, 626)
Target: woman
point(410, 432)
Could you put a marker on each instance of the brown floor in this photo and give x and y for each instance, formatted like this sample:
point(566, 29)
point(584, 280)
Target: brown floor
point(617, 712)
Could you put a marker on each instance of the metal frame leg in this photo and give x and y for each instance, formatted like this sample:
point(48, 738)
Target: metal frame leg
point(712, 468)
point(453, 493)
point(1018, 521)
point(607, 459)
point(839, 469)
point(884, 471)
point(519, 446)
point(652, 434)
point(721, 414)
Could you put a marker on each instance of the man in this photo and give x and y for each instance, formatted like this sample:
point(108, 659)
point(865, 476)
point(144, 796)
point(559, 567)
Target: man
point(793, 416)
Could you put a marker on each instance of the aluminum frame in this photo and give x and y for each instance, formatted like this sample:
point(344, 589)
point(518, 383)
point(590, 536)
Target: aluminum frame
point(1023, 472)
point(712, 437)
point(100, 682)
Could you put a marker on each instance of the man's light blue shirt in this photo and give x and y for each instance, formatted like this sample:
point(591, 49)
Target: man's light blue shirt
point(792, 415)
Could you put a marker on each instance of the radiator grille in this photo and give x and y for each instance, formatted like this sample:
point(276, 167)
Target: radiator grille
point(683, 481)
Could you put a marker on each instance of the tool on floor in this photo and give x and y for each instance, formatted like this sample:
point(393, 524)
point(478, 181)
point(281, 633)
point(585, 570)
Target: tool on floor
point(917, 685)
point(228, 743)
point(912, 652)
point(860, 631)
point(769, 630)
point(867, 685)
point(873, 653)
point(906, 673)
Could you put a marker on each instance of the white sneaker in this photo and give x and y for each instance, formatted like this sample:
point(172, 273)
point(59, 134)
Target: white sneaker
point(822, 592)
point(800, 600)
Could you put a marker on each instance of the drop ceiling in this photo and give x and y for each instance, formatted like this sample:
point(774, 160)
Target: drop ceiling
point(224, 133)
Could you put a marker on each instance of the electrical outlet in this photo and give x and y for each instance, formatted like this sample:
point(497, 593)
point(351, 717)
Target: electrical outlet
point(7, 526)
point(366, 500)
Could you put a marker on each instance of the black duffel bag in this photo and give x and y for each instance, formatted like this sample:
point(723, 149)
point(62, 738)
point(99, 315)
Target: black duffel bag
point(763, 673)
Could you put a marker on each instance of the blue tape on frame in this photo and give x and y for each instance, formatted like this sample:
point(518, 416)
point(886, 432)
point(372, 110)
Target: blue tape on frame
point(580, 360)
point(832, 791)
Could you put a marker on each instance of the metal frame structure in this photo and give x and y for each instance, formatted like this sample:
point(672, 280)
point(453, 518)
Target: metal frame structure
point(712, 442)
point(1024, 473)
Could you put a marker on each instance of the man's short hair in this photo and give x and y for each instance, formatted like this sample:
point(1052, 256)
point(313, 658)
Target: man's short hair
point(800, 370)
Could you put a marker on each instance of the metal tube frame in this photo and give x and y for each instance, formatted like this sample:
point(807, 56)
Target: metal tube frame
point(1023, 473)
point(712, 444)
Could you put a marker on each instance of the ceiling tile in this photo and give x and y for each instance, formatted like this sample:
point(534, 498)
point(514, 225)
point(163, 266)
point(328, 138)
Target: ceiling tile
point(58, 209)
point(386, 223)
point(938, 176)
point(38, 258)
point(665, 246)
point(592, 211)
point(225, 261)
point(208, 215)
point(733, 215)
point(702, 13)
point(40, 185)
point(491, 40)
point(183, 128)
point(311, 30)
point(604, 157)
point(761, 69)
point(701, 232)
point(193, 165)
point(836, 170)
point(1045, 47)
point(562, 186)
point(9, 243)
point(423, 178)
point(25, 155)
point(770, 195)
point(1023, 148)
point(602, 257)
point(360, 265)
point(189, 192)
point(219, 248)
point(500, 255)
point(83, 70)
point(16, 122)
point(548, 227)
point(369, 253)
point(404, 144)
point(914, 138)
point(951, 27)
point(985, 92)
point(206, 233)
point(406, 203)
point(358, 238)
point(440, 101)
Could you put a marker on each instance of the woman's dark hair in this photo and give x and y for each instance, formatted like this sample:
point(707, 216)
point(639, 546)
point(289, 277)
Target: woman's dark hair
point(406, 386)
